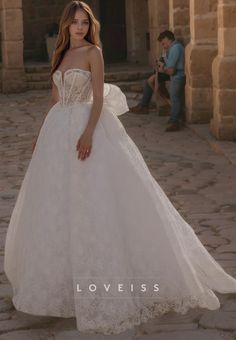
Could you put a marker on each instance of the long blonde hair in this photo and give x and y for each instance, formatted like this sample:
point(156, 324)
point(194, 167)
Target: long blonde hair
point(63, 39)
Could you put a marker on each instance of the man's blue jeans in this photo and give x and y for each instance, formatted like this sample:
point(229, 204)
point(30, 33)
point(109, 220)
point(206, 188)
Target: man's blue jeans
point(177, 88)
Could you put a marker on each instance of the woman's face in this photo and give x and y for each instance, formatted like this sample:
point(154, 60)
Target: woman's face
point(80, 25)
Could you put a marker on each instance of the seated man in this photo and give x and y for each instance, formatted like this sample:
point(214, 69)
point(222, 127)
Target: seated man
point(156, 82)
point(175, 69)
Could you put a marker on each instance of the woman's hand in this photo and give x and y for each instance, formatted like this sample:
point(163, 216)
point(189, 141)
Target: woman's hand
point(84, 145)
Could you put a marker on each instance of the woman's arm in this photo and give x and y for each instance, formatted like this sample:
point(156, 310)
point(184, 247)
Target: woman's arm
point(84, 144)
point(97, 69)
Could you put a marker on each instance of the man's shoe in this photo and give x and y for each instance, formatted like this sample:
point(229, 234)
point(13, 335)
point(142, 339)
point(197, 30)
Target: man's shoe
point(139, 109)
point(173, 127)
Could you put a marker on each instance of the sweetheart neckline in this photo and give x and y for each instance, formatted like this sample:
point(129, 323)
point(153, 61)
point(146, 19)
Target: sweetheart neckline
point(71, 69)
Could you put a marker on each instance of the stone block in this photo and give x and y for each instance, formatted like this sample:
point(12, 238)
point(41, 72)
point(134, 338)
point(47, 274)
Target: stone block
point(219, 320)
point(13, 80)
point(4, 4)
point(201, 98)
point(227, 41)
point(200, 80)
point(198, 103)
point(76, 335)
point(201, 7)
point(198, 64)
point(224, 132)
point(230, 120)
point(179, 17)
point(12, 54)
point(13, 24)
point(178, 3)
point(182, 34)
point(204, 28)
point(227, 15)
point(230, 306)
point(200, 334)
point(223, 73)
point(224, 102)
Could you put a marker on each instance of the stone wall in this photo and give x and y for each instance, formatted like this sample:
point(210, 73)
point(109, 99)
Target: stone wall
point(223, 124)
point(0, 31)
point(200, 53)
point(38, 15)
point(179, 18)
point(158, 12)
point(137, 30)
point(12, 75)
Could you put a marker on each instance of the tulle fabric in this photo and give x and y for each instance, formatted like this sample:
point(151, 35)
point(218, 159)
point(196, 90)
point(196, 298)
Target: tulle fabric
point(102, 220)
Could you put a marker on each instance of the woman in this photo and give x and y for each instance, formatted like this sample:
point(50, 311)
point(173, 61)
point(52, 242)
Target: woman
point(92, 234)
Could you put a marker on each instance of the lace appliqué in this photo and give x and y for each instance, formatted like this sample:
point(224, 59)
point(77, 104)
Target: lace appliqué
point(102, 323)
point(74, 86)
point(142, 315)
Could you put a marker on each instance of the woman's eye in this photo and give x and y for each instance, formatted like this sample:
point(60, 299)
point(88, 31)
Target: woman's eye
point(83, 23)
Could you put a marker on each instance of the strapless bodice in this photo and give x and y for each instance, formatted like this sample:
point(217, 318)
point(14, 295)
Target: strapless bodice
point(73, 86)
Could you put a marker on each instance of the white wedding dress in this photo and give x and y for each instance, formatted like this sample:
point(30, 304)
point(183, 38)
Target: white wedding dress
point(101, 221)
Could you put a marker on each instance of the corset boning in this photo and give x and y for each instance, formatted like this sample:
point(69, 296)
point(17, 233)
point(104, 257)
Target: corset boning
point(74, 86)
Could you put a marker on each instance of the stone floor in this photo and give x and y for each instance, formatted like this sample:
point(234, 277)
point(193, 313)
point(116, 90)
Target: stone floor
point(200, 182)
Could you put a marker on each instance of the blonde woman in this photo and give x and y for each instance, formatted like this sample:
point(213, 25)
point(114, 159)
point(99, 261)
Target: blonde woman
point(92, 234)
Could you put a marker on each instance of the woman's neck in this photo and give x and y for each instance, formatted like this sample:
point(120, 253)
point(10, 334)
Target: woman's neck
point(74, 45)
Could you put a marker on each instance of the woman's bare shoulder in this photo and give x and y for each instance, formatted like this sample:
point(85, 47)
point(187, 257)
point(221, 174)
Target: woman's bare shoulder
point(95, 59)
point(94, 52)
point(94, 49)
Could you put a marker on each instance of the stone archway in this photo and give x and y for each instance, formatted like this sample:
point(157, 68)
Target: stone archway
point(13, 74)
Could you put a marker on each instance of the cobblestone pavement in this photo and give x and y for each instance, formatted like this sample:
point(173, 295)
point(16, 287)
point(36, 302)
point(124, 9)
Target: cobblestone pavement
point(200, 183)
